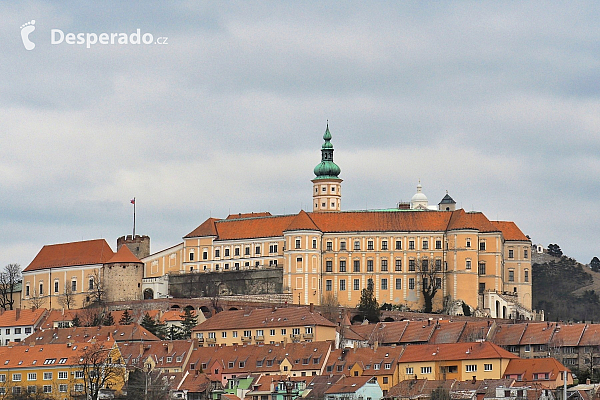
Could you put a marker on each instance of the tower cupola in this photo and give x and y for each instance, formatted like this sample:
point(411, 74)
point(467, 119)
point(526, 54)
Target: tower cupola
point(327, 186)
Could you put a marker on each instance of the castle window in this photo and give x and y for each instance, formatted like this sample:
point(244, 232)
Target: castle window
point(324, 189)
point(411, 283)
point(257, 250)
point(217, 253)
point(468, 243)
point(323, 205)
point(438, 283)
point(425, 265)
point(526, 275)
point(482, 245)
point(438, 244)
point(247, 251)
point(369, 266)
point(236, 266)
point(342, 245)
point(384, 245)
point(329, 245)
point(328, 266)
point(398, 284)
point(41, 288)
point(333, 189)
point(398, 245)
point(342, 265)
point(438, 264)
point(191, 256)
point(328, 285)
point(27, 290)
point(227, 266)
point(56, 289)
point(357, 284)
point(384, 265)
point(356, 245)
point(425, 244)
point(314, 243)
point(411, 244)
point(226, 252)
point(481, 270)
point(384, 284)
point(357, 265)
point(370, 245)
point(511, 275)
point(297, 243)
point(90, 284)
point(411, 265)
point(342, 284)
point(511, 253)
point(468, 264)
point(525, 254)
point(236, 251)
point(205, 255)
point(398, 264)
point(74, 285)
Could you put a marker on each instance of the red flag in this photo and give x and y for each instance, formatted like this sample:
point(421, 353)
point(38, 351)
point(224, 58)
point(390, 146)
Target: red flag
point(133, 201)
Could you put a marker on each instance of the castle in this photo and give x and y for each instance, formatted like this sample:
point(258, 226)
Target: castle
point(414, 255)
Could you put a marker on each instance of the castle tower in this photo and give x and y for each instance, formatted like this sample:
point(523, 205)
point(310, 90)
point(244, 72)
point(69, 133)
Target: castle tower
point(138, 244)
point(327, 186)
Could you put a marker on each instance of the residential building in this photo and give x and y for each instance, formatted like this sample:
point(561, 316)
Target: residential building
point(18, 324)
point(329, 253)
point(547, 372)
point(380, 363)
point(460, 361)
point(167, 356)
point(120, 333)
point(71, 275)
point(266, 325)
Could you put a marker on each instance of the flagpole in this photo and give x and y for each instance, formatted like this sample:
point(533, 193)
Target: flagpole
point(133, 201)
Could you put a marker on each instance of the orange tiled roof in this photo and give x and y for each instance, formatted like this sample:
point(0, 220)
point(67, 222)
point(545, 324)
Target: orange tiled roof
point(244, 226)
point(302, 222)
point(568, 335)
point(195, 383)
point(264, 318)
point(88, 252)
point(448, 332)
point(24, 356)
point(120, 333)
point(510, 231)
point(454, 351)
point(508, 334)
point(164, 353)
point(418, 332)
point(366, 358)
point(27, 317)
point(174, 315)
point(529, 366)
point(538, 333)
point(124, 255)
point(591, 335)
point(249, 215)
point(349, 384)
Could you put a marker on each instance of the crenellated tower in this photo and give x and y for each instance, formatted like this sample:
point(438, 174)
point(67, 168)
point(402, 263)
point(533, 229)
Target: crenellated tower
point(327, 186)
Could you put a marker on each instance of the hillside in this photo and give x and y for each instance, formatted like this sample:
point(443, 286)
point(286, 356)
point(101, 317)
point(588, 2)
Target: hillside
point(566, 290)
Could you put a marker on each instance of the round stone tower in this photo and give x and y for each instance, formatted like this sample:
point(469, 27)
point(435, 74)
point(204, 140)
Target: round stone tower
point(138, 244)
point(327, 186)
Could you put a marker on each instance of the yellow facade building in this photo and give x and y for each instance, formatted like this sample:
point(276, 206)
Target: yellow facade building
point(407, 253)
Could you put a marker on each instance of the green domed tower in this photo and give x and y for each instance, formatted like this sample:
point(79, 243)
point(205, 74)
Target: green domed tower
point(327, 186)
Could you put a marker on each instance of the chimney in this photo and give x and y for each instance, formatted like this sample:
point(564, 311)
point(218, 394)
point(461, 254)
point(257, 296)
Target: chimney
point(474, 381)
point(311, 307)
point(141, 349)
point(169, 347)
point(17, 313)
point(375, 345)
point(588, 381)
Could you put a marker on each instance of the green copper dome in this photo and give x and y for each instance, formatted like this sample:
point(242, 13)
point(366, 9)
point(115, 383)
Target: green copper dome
point(327, 169)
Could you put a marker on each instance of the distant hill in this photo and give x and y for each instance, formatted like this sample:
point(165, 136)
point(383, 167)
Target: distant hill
point(565, 289)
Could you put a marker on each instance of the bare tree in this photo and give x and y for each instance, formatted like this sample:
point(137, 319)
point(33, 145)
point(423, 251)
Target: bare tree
point(96, 289)
point(67, 298)
point(330, 307)
point(431, 280)
point(36, 300)
point(102, 368)
point(9, 278)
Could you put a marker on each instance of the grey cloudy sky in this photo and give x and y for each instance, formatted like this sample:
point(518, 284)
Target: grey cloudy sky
point(496, 102)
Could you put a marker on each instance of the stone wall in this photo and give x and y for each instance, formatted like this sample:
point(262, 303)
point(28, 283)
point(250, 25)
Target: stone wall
point(246, 282)
point(122, 281)
point(139, 245)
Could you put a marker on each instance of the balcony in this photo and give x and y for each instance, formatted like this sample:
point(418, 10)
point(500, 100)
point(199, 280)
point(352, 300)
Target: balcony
point(211, 340)
point(259, 338)
point(309, 336)
point(200, 340)
point(246, 338)
point(295, 338)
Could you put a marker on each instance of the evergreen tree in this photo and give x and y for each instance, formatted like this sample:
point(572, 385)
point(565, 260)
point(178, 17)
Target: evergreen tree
point(108, 320)
point(368, 306)
point(126, 318)
point(189, 322)
point(149, 323)
point(76, 321)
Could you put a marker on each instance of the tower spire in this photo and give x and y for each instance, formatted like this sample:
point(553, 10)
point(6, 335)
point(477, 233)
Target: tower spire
point(327, 184)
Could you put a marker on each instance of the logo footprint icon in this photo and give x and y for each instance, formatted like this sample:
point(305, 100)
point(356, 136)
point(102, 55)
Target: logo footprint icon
point(26, 29)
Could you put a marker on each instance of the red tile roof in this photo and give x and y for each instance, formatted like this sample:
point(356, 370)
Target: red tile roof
point(568, 335)
point(366, 358)
point(249, 215)
point(302, 222)
point(591, 335)
point(264, 318)
point(207, 228)
point(509, 334)
point(510, 231)
point(529, 366)
point(454, 351)
point(120, 333)
point(470, 220)
point(88, 252)
point(124, 255)
point(537, 333)
point(349, 384)
point(27, 317)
